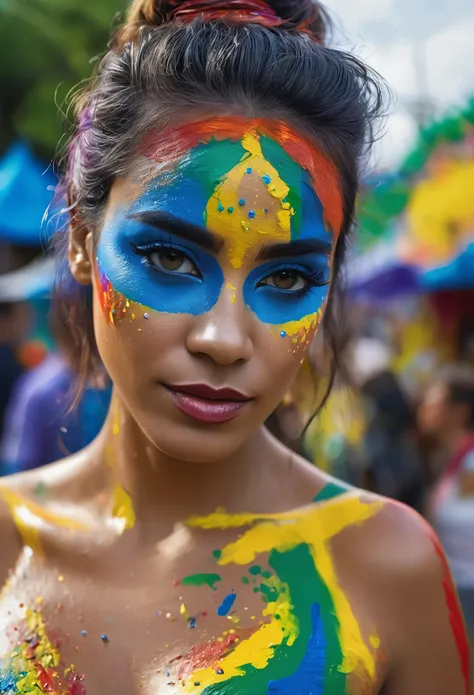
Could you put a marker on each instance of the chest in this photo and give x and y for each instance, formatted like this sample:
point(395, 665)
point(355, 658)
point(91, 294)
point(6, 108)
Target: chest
point(272, 624)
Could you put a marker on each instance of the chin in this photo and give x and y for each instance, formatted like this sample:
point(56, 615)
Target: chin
point(196, 443)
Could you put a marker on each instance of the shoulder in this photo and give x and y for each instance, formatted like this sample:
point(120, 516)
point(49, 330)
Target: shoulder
point(10, 540)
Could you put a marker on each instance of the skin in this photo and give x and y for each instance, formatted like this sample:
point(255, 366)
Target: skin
point(124, 539)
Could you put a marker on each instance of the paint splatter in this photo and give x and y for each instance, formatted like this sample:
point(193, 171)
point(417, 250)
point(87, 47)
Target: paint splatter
point(226, 605)
point(202, 580)
point(35, 665)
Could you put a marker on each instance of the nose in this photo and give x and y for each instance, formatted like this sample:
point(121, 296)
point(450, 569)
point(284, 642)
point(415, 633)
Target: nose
point(223, 334)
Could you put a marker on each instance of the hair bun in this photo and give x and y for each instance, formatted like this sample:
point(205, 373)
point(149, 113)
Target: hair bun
point(301, 15)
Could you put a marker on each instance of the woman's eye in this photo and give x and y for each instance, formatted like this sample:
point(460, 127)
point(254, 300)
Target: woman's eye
point(286, 280)
point(173, 261)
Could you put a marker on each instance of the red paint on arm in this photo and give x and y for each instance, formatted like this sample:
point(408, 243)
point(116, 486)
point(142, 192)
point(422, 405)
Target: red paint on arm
point(455, 615)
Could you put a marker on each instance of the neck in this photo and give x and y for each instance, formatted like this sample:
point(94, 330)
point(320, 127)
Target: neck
point(162, 488)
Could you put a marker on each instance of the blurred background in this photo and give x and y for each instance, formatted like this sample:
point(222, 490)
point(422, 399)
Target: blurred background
point(401, 421)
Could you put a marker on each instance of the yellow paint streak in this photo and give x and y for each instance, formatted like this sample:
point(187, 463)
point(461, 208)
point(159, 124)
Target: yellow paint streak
point(241, 232)
point(315, 526)
point(258, 649)
point(28, 517)
point(302, 329)
point(122, 507)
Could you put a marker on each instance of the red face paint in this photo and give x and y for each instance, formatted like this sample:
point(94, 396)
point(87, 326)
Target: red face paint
point(163, 145)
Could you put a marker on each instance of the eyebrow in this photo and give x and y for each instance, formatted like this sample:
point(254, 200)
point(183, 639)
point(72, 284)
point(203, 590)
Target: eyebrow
point(186, 230)
point(300, 247)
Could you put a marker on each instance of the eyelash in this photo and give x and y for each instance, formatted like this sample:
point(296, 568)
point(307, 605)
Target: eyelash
point(146, 250)
point(314, 278)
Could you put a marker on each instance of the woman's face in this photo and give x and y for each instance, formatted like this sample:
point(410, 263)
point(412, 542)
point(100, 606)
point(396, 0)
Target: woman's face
point(212, 270)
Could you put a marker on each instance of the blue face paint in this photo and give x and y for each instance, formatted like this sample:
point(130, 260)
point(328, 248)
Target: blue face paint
point(127, 245)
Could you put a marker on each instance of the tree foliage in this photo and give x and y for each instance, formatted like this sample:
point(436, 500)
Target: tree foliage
point(47, 47)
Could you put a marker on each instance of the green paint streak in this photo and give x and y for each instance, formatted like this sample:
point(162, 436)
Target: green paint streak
point(292, 174)
point(296, 568)
point(201, 580)
point(256, 569)
point(331, 490)
point(210, 162)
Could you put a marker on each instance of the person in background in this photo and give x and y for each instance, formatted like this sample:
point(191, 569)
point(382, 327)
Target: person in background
point(446, 414)
point(43, 423)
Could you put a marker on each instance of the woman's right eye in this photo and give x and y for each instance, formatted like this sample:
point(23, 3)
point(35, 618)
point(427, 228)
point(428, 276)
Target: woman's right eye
point(173, 261)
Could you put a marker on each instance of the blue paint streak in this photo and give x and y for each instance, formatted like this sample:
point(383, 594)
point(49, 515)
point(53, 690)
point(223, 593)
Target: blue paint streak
point(8, 681)
point(308, 679)
point(226, 605)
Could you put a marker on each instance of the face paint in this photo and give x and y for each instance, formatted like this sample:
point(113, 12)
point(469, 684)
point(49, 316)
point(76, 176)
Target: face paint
point(250, 183)
point(312, 640)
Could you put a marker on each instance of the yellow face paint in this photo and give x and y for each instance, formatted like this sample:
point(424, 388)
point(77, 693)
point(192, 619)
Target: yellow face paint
point(272, 215)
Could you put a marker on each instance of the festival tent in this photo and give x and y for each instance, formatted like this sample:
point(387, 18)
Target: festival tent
point(26, 192)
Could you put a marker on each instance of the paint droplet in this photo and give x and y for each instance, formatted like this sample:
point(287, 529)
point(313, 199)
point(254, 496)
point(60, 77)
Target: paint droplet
point(251, 214)
point(230, 210)
point(145, 315)
point(217, 554)
point(266, 179)
point(245, 580)
point(283, 334)
point(220, 207)
point(272, 685)
point(242, 202)
point(255, 569)
point(266, 211)
point(104, 638)
point(192, 623)
point(84, 633)
point(248, 170)
point(220, 672)
point(197, 683)
point(226, 605)
point(184, 611)
point(374, 641)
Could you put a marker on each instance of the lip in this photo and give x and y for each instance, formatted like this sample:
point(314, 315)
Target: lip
point(206, 404)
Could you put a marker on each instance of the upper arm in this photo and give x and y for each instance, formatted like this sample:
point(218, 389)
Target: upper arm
point(430, 653)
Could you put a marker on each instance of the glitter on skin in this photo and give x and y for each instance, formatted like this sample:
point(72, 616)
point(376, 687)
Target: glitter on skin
point(35, 665)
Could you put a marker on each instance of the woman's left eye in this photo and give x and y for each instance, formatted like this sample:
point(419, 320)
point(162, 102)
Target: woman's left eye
point(173, 261)
point(286, 280)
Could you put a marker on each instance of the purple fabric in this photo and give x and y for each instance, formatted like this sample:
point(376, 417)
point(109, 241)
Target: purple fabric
point(39, 428)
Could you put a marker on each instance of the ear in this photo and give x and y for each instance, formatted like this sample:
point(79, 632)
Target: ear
point(80, 251)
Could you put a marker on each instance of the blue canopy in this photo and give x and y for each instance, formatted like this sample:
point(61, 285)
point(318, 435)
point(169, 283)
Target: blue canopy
point(458, 275)
point(26, 190)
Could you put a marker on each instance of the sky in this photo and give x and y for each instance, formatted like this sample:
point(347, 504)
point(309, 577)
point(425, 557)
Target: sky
point(394, 36)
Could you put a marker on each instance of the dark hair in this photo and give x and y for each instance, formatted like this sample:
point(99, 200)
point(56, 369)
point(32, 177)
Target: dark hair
point(459, 383)
point(157, 67)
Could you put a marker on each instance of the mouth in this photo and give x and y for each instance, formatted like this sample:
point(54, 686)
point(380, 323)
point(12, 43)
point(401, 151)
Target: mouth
point(206, 404)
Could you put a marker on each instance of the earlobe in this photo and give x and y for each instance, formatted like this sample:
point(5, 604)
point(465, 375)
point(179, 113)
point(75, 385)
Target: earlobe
point(80, 253)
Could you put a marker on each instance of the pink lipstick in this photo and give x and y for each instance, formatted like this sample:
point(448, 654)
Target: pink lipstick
point(204, 403)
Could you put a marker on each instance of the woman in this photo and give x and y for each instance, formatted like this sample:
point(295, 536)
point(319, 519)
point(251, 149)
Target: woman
point(212, 184)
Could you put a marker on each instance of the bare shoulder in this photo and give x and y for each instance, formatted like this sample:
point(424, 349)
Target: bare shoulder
point(37, 492)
